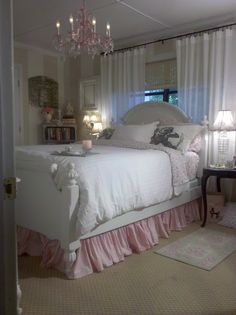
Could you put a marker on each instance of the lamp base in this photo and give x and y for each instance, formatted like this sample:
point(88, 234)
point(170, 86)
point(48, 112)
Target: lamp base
point(223, 148)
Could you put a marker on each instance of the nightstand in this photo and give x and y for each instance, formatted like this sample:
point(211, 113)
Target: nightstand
point(218, 173)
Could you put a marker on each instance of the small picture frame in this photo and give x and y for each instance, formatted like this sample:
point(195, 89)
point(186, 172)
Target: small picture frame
point(89, 94)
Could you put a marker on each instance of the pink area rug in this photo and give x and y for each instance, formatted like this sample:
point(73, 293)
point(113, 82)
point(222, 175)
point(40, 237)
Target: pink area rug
point(204, 248)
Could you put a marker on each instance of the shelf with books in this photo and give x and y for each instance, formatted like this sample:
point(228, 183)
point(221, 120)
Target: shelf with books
point(58, 134)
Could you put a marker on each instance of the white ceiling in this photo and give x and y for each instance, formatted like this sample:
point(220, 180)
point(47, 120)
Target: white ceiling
point(132, 21)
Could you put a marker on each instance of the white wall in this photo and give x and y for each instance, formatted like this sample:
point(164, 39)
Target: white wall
point(67, 73)
point(36, 62)
point(91, 67)
point(154, 52)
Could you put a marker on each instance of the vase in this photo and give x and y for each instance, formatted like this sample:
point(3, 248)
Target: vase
point(47, 117)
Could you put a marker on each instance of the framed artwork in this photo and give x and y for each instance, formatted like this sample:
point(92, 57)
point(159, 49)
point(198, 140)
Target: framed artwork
point(89, 94)
point(43, 91)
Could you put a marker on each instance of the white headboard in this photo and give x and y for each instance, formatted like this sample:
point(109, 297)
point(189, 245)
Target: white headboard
point(165, 113)
point(149, 112)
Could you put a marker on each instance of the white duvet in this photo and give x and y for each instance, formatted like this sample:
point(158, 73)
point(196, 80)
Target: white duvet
point(112, 182)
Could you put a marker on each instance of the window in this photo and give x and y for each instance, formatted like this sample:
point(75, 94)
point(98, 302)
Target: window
point(162, 95)
point(161, 81)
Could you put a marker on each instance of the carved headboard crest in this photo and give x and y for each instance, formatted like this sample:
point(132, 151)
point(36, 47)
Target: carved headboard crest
point(149, 112)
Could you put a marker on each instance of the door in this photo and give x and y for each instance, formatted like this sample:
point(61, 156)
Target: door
point(8, 270)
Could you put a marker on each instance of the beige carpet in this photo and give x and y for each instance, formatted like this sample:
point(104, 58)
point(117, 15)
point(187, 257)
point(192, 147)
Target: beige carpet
point(144, 284)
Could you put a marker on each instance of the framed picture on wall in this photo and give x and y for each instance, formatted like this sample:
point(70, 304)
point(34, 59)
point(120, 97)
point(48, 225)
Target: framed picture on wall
point(43, 91)
point(89, 93)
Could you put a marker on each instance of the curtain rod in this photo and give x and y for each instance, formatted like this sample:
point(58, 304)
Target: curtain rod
point(176, 36)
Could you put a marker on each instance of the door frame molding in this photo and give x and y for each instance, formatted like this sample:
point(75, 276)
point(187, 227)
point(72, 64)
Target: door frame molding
point(8, 268)
point(19, 69)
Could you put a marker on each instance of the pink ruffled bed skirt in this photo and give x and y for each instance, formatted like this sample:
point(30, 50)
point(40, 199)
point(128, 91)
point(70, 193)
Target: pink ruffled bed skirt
point(106, 249)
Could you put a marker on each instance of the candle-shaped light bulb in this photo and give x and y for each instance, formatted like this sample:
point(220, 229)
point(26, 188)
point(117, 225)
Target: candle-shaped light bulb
point(108, 32)
point(58, 27)
point(71, 22)
point(94, 24)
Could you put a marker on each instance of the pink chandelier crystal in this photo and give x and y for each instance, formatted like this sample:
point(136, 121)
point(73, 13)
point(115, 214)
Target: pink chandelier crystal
point(82, 36)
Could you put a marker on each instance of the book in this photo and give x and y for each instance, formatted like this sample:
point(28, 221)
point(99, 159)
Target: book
point(69, 121)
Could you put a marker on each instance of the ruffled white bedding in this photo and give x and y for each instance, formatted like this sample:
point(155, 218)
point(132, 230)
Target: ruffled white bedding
point(191, 163)
point(120, 178)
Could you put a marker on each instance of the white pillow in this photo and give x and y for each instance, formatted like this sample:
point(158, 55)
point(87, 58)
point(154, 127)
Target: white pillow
point(176, 137)
point(196, 144)
point(140, 133)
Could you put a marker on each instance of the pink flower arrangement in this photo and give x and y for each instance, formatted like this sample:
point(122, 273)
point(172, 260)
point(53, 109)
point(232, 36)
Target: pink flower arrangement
point(47, 109)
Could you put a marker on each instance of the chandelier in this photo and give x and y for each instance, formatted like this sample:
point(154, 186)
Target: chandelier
point(82, 36)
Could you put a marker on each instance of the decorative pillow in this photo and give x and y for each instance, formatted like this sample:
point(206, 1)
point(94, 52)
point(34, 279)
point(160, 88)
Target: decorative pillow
point(167, 136)
point(141, 133)
point(196, 144)
point(177, 137)
point(106, 133)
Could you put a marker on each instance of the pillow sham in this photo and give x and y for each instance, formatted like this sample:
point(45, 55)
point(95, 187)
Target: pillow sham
point(141, 133)
point(196, 144)
point(106, 133)
point(177, 137)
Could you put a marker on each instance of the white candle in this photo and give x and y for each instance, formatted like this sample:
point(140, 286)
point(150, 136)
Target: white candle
point(71, 23)
point(94, 24)
point(58, 27)
point(87, 144)
point(108, 31)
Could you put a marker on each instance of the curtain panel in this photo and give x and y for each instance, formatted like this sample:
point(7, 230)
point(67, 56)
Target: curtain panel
point(206, 76)
point(204, 71)
point(122, 83)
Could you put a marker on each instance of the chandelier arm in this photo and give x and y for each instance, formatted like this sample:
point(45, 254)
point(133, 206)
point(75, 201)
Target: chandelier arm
point(83, 36)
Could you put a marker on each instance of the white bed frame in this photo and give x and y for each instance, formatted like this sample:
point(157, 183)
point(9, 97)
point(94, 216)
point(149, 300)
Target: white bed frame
point(39, 202)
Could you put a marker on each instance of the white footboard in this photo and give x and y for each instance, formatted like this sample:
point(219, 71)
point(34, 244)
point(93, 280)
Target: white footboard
point(41, 207)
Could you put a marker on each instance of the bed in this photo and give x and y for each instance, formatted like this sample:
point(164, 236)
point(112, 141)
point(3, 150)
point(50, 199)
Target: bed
point(110, 203)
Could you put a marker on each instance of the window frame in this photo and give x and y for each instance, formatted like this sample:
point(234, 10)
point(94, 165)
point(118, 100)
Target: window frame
point(166, 94)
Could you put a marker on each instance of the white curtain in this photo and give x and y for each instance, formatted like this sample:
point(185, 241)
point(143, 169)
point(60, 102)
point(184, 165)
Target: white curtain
point(122, 83)
point(206, 75)
point(204, 67)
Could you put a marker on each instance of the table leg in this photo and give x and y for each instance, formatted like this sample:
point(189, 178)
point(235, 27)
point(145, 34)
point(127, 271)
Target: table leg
point(218, 184)
point(204, 198)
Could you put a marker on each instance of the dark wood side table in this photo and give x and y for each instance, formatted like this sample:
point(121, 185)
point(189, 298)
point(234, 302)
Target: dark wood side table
point(219, 173)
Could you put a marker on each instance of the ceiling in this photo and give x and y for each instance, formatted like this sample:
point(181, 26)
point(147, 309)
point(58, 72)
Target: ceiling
point(132, 21)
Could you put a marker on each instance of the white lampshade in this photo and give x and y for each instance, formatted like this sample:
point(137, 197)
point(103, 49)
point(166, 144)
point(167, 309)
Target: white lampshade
point(86, 118)
point(93, 118)
point(224, 121)
point(97, 126)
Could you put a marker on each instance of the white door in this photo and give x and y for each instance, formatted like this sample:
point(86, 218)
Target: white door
point(18, 110)
point(8, 270)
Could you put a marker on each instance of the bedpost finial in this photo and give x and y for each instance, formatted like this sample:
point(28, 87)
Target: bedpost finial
point(205, 122)
point(54, 168)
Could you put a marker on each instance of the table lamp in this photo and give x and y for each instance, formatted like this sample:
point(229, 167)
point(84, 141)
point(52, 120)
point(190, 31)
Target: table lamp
point(224, 122)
